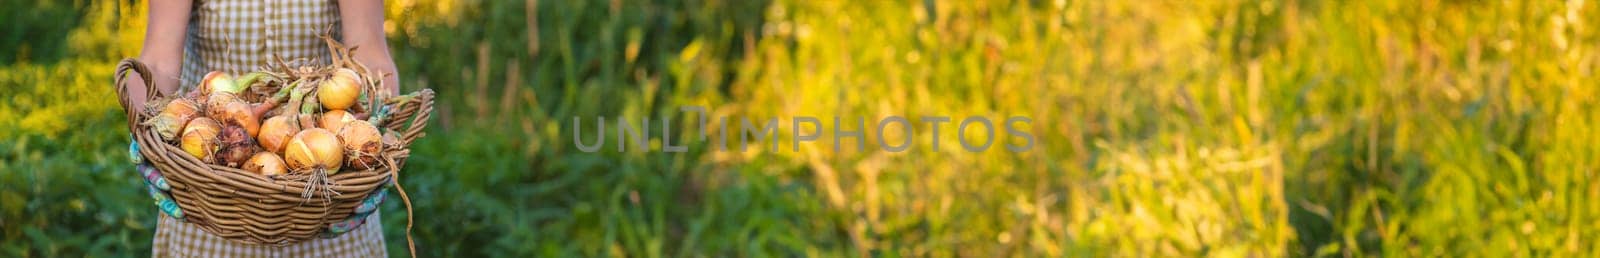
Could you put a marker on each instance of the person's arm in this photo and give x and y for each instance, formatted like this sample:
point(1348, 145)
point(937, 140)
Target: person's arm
point(163, 47)
point(363, 27)
point(163, 54)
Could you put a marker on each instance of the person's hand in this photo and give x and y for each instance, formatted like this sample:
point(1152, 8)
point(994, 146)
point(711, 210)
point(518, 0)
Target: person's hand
point(157, 185)
point(362, 212)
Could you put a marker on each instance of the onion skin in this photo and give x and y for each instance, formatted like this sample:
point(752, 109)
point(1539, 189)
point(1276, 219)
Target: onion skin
point(335, 120)
point(173, 117)
point(362, 143)
point(340, 91)
point(391, 139)
point(314, 149)
point(215, 102)
point(266, 164)
point(240, 114)
point(200, 138)
point(276, 132)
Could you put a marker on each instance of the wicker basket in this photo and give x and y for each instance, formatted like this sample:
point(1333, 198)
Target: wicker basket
point(266, 210)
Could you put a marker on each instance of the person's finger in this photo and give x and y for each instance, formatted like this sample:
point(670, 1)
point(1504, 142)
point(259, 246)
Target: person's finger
point(348, 224)
point(371, 203)
point(133, 151)
point(165, 203)
point(153, 177)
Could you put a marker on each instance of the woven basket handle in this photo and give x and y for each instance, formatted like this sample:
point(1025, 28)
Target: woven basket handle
point(412, 117)
point(135, 114)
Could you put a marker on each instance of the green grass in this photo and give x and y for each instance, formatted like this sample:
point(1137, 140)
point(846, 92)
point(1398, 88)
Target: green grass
point(1211, 128)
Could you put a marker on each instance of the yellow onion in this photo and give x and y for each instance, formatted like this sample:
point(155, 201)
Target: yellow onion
point(200, 138)
point(240, 114)
point(314, 149)
point(216, 81)
point(335, 120)
point(341, 91)
point(276, 131)
point(361, 145)
point(173, 117)
point(266, 164)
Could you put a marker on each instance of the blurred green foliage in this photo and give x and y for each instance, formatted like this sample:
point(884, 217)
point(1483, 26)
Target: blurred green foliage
point(1182, 128)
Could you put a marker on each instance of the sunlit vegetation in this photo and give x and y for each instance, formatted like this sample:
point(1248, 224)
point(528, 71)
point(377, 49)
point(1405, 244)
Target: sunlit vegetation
point(1184, 128)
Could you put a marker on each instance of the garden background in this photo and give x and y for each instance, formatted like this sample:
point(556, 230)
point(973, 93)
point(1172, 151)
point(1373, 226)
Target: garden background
point(1164, 128)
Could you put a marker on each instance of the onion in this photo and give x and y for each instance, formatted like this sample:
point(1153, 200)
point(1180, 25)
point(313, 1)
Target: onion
point(200, 138)
point(335, 120)
point(276, 131)
point(214, 81)
point(236, 146)
point(314, 149)
point(173, 117)
point(238, 113)
point(361, 145)
point(266, 164)
point(216, 100)
point(341, 91)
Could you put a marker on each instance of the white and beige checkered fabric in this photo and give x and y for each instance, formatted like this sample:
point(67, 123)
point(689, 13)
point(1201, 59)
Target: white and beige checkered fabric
point(175, 238)
point(239, 36)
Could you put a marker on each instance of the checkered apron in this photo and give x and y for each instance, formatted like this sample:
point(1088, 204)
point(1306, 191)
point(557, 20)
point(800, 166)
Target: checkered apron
point(238, 36)
point(176, 238)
